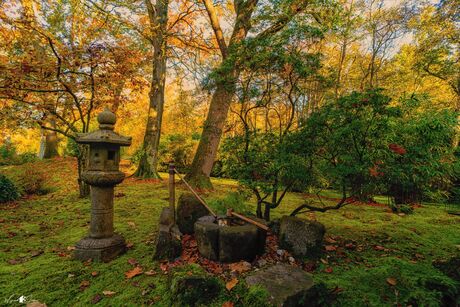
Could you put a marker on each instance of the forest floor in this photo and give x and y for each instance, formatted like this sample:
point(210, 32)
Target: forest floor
point(372, 257)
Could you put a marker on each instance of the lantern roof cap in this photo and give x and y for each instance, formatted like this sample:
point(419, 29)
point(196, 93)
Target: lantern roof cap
point(105, 134)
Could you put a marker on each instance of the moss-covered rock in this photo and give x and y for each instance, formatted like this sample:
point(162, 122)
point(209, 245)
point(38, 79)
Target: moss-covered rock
point(191, 286)
point(189, 210)
point(286, 285)
point(303, 238)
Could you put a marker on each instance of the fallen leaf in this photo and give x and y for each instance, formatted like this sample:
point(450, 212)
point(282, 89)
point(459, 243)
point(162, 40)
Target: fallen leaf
point(132, 224)
point(379, 248)
point(150, 273)
point(129, 245)
point(96, 299)
point(231, 284)
point(70, 248)
point(94, 273)
point(227, 304)
point(330, 240)
point(330, 248)
point(240, 267)
point(36, 253)
point(132, 261)
point(84, 284)
point(328, 270)
point(391, 281)
point(134, 272)
point(108, 293)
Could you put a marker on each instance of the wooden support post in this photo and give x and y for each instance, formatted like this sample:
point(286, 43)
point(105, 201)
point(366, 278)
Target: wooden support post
point(172, 191)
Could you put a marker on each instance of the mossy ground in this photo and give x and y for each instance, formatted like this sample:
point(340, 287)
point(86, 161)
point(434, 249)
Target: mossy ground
point(37, 233)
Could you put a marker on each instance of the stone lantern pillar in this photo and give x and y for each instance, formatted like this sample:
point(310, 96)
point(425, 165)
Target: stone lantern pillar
point(102, 174)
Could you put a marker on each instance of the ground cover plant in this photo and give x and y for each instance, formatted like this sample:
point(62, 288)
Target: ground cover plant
point(371, 256)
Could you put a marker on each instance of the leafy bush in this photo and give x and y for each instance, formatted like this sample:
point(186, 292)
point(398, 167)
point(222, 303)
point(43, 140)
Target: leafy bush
point(368, 145)
point(8, 191)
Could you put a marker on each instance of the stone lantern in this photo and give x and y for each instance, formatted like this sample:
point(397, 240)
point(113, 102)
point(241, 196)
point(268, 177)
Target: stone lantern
point(102, 174)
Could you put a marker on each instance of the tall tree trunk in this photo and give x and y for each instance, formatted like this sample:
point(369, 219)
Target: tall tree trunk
point(83, 152)
point(205, 155)
point(148, 163)
point(48, 143)
point(212, 133)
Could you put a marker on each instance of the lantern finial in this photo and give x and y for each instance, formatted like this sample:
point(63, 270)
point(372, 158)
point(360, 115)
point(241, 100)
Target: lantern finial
point(106, 119)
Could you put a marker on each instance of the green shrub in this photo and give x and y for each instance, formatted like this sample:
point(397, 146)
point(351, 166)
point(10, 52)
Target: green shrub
point(8, 191)
point(233, 200)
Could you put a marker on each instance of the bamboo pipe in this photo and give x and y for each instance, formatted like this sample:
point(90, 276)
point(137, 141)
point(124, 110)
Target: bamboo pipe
point(246, 219)
point(196, 195)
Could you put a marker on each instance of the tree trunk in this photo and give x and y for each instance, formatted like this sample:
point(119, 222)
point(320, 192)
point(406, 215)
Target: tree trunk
point(82, 157)
point(212, 132)
point(158, 20)
point(48, 143)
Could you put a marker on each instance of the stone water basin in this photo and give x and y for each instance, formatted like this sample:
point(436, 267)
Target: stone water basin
point(228, 239)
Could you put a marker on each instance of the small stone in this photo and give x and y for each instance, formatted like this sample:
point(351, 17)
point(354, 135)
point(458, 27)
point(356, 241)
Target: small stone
point(280, 252)
point(291, 259)
point(261, 263)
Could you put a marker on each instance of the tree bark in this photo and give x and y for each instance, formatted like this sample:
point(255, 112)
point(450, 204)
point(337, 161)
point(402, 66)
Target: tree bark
point(148, 163)
point(48, 142)
point(82, 157)
point(205, 155)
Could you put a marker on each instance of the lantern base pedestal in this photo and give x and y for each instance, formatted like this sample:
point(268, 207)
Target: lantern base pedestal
point(104, 249)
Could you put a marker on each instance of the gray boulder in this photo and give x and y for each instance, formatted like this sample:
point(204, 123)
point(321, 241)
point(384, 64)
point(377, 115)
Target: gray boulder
point(286, 285)
point(189, 210)
point(303, 238)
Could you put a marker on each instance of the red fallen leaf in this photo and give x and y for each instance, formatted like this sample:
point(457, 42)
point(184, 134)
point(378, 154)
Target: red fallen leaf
point(337, 290)
point(94, 273)
point(350, 246)
point(379, 248)
point(328, 270)
point(164, 267)
point(62, 254)
point(134, 272)
point(132, 261)
point(96, 299)
point(330, 248)
point(398, 149)
point(227, 304)
point(231, 284)
point(392, 281)
point(330, 240)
